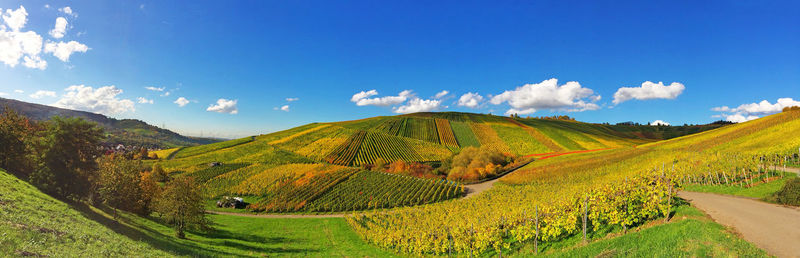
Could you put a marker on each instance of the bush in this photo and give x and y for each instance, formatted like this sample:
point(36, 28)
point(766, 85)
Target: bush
point(473, 164)
point(789, 194)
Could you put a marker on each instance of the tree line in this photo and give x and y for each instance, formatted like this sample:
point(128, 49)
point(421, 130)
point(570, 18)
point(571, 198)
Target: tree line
point(64, 158)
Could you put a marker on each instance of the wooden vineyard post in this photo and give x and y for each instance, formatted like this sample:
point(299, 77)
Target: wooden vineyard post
point(536, 238)
point(726, 177)
point(784, 166)
point(585, 211)
point(669, 201)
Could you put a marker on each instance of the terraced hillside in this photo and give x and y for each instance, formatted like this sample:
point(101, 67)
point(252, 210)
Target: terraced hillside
point(300, 168)
point(614, 189)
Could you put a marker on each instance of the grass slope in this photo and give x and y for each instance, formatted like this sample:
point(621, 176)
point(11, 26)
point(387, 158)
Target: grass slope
point(689, 234)
point(35, 224)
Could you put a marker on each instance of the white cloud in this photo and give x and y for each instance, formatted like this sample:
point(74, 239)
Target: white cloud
point(747, 112)
point(514, 111)
point(15, 19)
point(16, 45)
point(60, 28)
point(181, 101)
point(362, 98)
point(151, 88)
point(47, 6)
point(739, 118)
point(3, 94)
point(68, 10)
point(470, 100)
point(142, 100)
point(166, 94)
point(659, 122)
point(64, 50)
point(283, 108)
point(548, 94)
point(102, 100)
point(19, 91)
point(441, 94)
point(292, 99)
point(43, 93)
point(418, 105)
point(649, 90)
point(226, 106)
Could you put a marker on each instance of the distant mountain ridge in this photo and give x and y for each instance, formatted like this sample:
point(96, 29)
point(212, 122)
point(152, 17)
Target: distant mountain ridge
point(120, 131)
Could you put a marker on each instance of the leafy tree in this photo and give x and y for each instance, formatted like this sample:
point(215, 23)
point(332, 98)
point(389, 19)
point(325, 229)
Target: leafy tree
point(181, 204)
point(119, 186)
point(16, 136)
point(69, 161)
point(158, 173)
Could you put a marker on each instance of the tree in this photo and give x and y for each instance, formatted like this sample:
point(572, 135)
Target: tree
point(181, 204)
point(17, 135)
point(70, 152)
point(119, 186)
point(158, 174)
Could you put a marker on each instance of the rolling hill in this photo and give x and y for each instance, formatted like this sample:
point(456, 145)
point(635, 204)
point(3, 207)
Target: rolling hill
point(120, 131)
point(295, 169)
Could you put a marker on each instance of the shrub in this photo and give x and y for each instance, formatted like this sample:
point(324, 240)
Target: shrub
point(789, 194)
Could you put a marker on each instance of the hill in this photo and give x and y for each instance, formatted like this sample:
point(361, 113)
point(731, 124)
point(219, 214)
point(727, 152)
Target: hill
point(305, 168)
point(120, 131)
point(618, 189)
point(35, 224)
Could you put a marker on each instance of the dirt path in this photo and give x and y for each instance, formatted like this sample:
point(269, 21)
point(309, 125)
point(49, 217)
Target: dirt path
point(771, 227)
point(786, 169)
point(471, 190)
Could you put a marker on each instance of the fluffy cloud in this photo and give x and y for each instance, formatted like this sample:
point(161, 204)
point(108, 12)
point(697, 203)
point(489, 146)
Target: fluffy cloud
point(68, 10)
point(19, 91)
point(470, 100)
point(102, 100)
point(225, 106)
point(363, 98)
point(154, 88)
point(60, 28)
point(739, 118)
point(747, 112)
point(181, 101)
point(43, 93)
point(418, 105)
point(659, 122)
point(548, 94)
point(292, 99)
point(16, 45)
point(142, 100)
point(441, 94)
point(649, 90)
point(15, 19)
point(63, 50)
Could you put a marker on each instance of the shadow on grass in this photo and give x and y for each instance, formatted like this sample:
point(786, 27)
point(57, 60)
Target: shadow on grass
point(220, 239)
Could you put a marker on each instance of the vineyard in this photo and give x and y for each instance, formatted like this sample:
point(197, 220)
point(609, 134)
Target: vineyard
point(389, 148)
point(345, 153)
point(421, 129)
point(488, 137)
point(564, 196)
point(446, 136)
point(372, 190)
point(464, 135)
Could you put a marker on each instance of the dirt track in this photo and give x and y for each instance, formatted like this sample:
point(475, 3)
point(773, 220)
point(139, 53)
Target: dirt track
point(771, 227)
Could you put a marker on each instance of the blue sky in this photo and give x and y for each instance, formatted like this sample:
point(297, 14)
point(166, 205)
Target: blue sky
point(248, 57)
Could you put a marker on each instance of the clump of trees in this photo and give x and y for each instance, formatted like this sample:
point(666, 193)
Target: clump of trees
point(472, 164)
point(64, 158)
point(792, 108)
